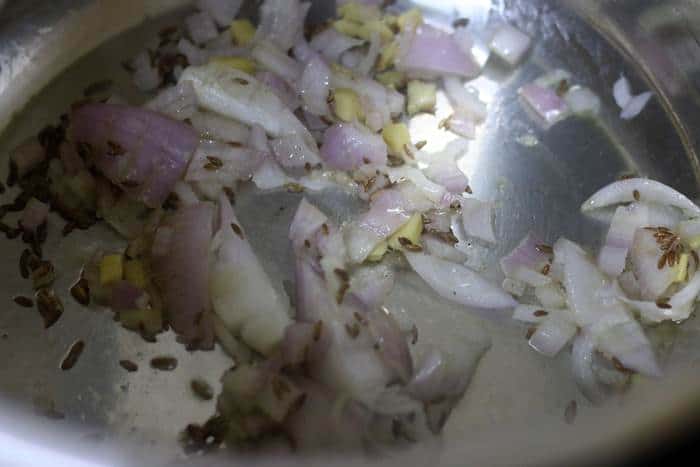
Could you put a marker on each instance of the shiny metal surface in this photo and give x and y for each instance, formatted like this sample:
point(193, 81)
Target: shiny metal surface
point(513, 412)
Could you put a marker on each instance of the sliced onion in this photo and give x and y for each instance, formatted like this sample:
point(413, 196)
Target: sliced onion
point(688, 229)
point(549, 107)
point(314, 86)
point(313, 302)
point(428, 51)
point(308, 219)
point(465, 99)
point(370, 58)
point(514, 286)
point(291, 151)
point(239, 96)
point(182, 272)
point(526, 255)
point(582, 101)
point(582, 355)
point(155, 149)
point(437, 194)
point(625, 340)
point(645, 255)
point(178, 102)
point(625, 222)
point(510, 44)
point(441, 249)
point(223, 11)
point(280, 88)
point(622, 92)
point(223, 163)
point(273, 59)
point(145, 75)
point(241, 291)
point(534, 313)
point(185, 194)
point(551, 296)
point(372, 284)
point(201, 27)
point(477, 219)
point(639, 189)
point(553, 334)
point(679, 307)
point(635, 106)
point(347, 146)
point(458, 283)
point(214, 126)
point(331, 44)
point(282, 22)
point(391, 343)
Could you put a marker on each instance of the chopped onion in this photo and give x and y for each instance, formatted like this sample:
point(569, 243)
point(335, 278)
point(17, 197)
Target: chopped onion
point(185, 194)
point(458, 283)
point(280, 88)
point(308, 219)
point(201, 27)
point(553, 334)
point(273, 59)
point(214, 126)
point(635, 106)
point(465, 99)
point(222, 163)
point(441, 249)
point(534, 313)
point(347, 146)
point(178, 102)
point(678, 308)
point(622, 92)
point(368, 61)
point(282, 22)
point(645, 255)
point(514, 286)
point(292, 151)
point(582, 355)
point(551, 295)
point(625, 222)
point(639, 189)
point(582, 101)
point(331, 44)
point(510, 44)
point(526, 255)
point(145, 76)
point(544, 102)
point(314, 86)
point(477, 219)
point(144, 152)
point(428, 51)
point(372, 284)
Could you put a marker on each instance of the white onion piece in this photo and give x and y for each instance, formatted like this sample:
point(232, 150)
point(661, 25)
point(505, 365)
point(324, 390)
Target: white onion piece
point(526, 255)
point(627, 191)
point(372, 284)
point(629, 285)
point(635, 106)
point(689, 229)
point(458, 283)
point(368, 61)
point(241, 291)
point(201, 27)
point(510, 44)
point(292, 152)
point(282, 22)
point(374, 96)
point(432, 191)
point(314, 86)
point(477, 219)
point(229, 92)
point(232, 163)
point(332, 44)
point(280, 88)
point(625, 340)
point(680, 304)
point(273, 59)
point(195, 56)
point(178, 102)
point(270, 175)
point(145, 76)
point(447, 173)
point(530, 277)
point(551, 295)
point(308, 219)
point(544, 101)
point(625, 222)
point(214, 126)
point(514, 286)
point(582, 354)
point(185, 194)
point(644, 259)
point(622, 92)
point(553, 78)
point(347, 146)
point(222, 11)
point(553, 334)
point(441, 249)
point(465, 100)
point(582, 101)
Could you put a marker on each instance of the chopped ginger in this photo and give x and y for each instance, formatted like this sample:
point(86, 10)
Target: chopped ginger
point(396, 136)
point(408, 236)
point(346, 105)
point(694, 242)
point(421, 97)
point(387, 56)
point(392, 79)
point(243, 64)
point(358, 12)
point(242, 31)
point(378, 252)
point(682, 268)
point(135, 273)
point(410, 20)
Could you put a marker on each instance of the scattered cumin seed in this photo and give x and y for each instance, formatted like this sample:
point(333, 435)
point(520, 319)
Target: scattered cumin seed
point(663, 304)
point(235, 144)
point(636, 195)
point(49, 306)
point(164, 363)
point(460, 23)
point(468, 190)
point(202, 389)
point(546, 268)
point(340, 296)
point(530, 332)
point(73, 355)
point(237, 230)
point(562, 88)
point(295, 188)
point(353, 330)
point(325, 229)
point(342, 274)
point(544, 249)
point(25, 302)
point(570, 412)
point(444, 123)
point(241, 81)
point(619, 366)
point(540, 313)
point(421, 144)
point(307, 243)
point(213, 163)
point(318, 329)
point(128, 365)
point(409, 245)
point(81, 292)
point(414, 334)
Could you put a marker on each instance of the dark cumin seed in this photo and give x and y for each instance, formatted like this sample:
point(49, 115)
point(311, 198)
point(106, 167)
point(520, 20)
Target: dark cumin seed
point(295, 188)
point(414, 334)
point(324, 228)
point(460, 23)
point(540, 313)
point(562, 88)
point(340, 296)
point(636, 195)
point(49, 306)
point(421, 144)
point(619, 366)
point(81, 292)
point(353, 330)
point(544, 249)
point(468, 190)
point(128, 365)
point(546, 268)
point(342, 274)
point(202, 389)
point(241, 81)
point(663, 304)
point(409, 245)
point(530, 332)
point(164, 363)
point(570, 412)
point(237, 230)
point(235, 144)
point(213, 163)
point(73, 355)
point(25, 302)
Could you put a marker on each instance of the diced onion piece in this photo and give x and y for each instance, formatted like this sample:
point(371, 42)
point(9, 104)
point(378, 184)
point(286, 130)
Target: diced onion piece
point(639, 189)
point(553, 334)
point(622, 92)
point(282, 22)
point(551, 295)
point(544, 102)
point(201, 27)
point(625, 222)
point(347, 146)
point(214, 126)
point(397, 138)
point(582, 101)
point(635, 106)
point(514, 286)
point(510, 44)
point(477, 219)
